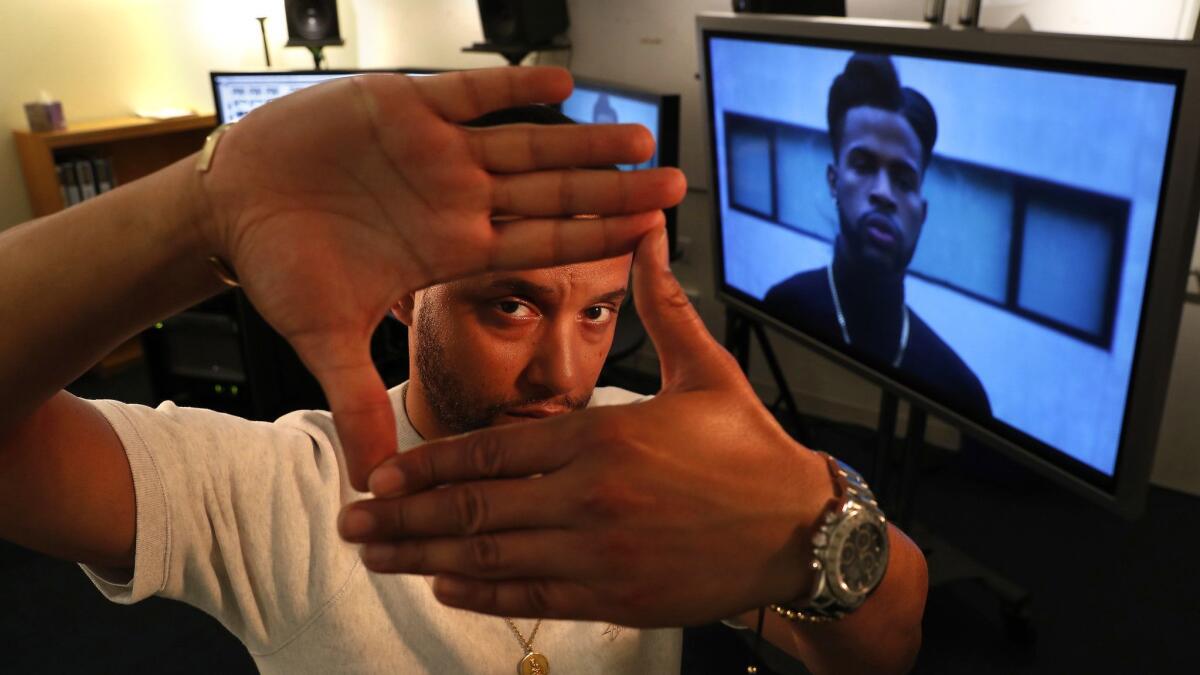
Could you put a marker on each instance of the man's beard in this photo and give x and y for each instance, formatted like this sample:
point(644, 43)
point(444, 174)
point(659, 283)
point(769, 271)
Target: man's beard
point(880, 264)
point(455, 409)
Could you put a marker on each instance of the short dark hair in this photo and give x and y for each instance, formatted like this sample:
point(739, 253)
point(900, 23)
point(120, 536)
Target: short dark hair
point(871, 80)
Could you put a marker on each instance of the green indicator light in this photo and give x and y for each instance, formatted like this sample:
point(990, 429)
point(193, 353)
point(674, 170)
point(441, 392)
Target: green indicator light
point(218, 388)
point(233, 390)
point(158, 325)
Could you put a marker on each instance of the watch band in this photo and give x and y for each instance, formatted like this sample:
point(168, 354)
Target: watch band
point(850, 494)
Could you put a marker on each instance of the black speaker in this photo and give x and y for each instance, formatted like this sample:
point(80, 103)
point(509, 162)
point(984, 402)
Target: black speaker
point(811, 7)
point(312, 23)
point(522, 22)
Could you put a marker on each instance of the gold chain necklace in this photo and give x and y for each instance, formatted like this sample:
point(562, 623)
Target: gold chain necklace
point(533, 663)
point(841, 319)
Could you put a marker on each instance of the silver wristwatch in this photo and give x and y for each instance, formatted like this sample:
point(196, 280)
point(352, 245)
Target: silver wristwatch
point(850, 551)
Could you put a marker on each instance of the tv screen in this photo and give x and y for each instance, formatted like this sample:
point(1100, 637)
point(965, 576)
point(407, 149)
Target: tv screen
point(236, 94)
point(973, 227)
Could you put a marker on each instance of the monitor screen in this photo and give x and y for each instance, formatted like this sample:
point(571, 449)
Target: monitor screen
point(236, 94)
point(593, 103)
point(975, 229)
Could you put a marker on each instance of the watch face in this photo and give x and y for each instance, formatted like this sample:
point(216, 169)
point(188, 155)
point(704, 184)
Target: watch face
point(863, 557)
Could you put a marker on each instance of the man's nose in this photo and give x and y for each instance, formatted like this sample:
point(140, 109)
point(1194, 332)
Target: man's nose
point(554, 365)
point(882, 194)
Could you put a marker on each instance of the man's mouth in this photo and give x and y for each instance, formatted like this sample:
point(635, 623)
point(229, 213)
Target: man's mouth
point(880, 230)
point(537, 412)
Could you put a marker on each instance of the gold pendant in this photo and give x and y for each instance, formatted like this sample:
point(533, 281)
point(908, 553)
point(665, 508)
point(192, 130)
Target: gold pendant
point(534, 663)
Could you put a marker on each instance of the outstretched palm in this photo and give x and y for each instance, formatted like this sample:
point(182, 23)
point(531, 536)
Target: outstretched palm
point(336, 201)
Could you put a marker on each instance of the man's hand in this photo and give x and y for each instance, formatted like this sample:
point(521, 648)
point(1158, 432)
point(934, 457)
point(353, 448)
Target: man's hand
point(679, 510)
point(333, 202)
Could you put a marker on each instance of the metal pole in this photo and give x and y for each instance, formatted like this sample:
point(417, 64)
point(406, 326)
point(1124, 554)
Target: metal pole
point(262, 27)
point(935, 10)
point(968, 14)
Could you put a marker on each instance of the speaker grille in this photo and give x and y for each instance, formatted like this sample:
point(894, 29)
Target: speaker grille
point(522, 22)
point(312, 22)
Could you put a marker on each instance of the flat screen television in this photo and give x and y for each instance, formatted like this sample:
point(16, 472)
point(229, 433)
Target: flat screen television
point(237, 93)
point(995, 226)
point(594, 101)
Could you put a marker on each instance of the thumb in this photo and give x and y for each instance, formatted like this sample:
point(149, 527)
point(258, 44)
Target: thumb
point(362, 411)
point(689, 356)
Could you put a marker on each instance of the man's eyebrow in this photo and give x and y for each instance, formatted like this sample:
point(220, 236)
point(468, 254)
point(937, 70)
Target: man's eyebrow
point(614, 297)
point(901, 161)
point(522, 287)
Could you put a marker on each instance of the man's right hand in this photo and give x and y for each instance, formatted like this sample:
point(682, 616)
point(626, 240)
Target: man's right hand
point(333, 202)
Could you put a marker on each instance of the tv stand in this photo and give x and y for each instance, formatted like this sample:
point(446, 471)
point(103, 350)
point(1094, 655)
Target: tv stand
point(738, 330)
point(970, 581)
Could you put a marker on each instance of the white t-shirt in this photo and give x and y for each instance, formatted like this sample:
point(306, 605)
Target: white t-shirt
point(238, 518)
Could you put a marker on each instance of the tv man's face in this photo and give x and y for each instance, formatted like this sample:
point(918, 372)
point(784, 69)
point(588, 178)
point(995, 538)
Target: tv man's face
point(512, 346)
point(876, 182)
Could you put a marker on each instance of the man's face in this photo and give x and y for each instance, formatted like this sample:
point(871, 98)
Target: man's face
point(513, 346)
point(876, 181)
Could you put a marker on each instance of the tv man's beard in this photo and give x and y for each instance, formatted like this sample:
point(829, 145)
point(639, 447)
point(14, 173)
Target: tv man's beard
point(867, 258)
point(455, 409)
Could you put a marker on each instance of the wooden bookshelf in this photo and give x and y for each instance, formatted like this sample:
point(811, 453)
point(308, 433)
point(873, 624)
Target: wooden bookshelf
point(136, 147)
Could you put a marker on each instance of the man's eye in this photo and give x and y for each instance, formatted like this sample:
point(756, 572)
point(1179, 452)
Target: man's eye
point(514, 308)
point(598, 314)
point(906, 181)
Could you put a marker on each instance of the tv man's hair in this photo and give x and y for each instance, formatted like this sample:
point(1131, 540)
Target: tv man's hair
point(870, 80)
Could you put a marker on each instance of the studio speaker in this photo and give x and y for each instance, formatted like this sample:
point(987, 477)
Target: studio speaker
point(312, 23)
point(522, 22)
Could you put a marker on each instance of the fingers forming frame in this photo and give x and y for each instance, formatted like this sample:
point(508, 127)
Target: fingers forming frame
point(464, 95)
point(583, 191)
point(516, 148)
point(518, 554)
point(460, 509)
point(514, 451)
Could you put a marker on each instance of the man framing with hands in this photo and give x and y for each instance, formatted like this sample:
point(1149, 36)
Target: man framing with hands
point(685, 508)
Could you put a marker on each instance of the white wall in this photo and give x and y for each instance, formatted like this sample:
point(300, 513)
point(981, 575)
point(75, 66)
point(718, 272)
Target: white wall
point(103, 59)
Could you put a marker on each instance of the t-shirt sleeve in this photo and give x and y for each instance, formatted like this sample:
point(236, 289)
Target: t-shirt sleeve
point(237, 518)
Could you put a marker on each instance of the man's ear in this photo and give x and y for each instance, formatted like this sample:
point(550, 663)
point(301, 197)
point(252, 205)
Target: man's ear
point(831, 179)
point(403, 309)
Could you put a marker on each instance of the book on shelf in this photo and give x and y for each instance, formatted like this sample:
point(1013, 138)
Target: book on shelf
point(62, 184)
point(102, 167)
point(82, 178)
point(87, 179)
point(69, 183)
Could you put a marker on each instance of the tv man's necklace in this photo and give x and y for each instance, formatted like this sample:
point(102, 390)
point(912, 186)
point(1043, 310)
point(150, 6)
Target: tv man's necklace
point(533, 663)
point(841, 319)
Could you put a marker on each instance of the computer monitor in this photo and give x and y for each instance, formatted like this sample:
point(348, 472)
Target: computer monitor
point(594, 101)
point(998, 227)
point(236, 94)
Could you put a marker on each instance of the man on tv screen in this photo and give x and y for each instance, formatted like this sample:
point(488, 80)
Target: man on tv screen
point(882, 135)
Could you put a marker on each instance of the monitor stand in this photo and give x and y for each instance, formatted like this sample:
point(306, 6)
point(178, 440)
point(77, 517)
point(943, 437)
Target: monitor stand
point(950, 569)
point(738, 330)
